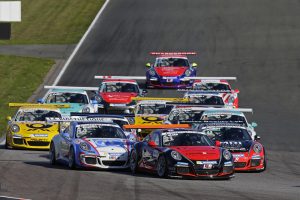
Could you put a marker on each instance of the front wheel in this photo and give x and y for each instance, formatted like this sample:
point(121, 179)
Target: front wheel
point(52, 154)
point(72, 164)
point(133, 162)
point(162, 170)
point(7, 146)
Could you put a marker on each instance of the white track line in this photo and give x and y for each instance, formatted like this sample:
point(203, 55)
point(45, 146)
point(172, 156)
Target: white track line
point(80, 43)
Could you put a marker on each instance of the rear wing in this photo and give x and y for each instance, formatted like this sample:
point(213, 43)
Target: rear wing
point(80, 119)
point(203, 124)
point(172, 53)
point(95, 115)
point(156, 126)
point(38, 105)
point(121, 77)
point(248, 110)
point(212, 78)
point(159, 98)
point(71, 88)
point(203, 91)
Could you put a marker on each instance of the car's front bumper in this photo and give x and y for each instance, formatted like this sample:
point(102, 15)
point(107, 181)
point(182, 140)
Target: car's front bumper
point(197, 171)
point(95, 161)
point(29, 143)
point(169, 82)
point(249, 163)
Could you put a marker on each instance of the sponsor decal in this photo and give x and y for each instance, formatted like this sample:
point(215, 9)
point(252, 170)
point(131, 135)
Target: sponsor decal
point(42, 127)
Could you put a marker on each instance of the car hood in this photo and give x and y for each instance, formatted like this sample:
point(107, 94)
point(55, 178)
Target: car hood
point(199, 152)
point(118, 97)
point(111, 149)
point(170, 71)
point(235, 145)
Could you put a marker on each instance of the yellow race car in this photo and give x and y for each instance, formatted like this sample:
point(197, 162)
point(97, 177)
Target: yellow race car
point(153, 111)
point(28, 128)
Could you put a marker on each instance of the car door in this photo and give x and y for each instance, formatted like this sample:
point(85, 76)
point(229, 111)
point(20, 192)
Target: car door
point(150, 153)
point(65, 141)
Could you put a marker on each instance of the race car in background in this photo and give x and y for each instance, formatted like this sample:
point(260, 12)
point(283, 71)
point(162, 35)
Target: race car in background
point(28, 127)
point(248, 154)
point(170, 70)
point(235, 115)
point(181, 153)
point(76, 97)
point(114, 95)
point(222, 86)
point(90, 143)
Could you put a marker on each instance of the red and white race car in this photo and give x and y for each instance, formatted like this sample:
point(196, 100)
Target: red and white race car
point(114, 95)
point(222, 86)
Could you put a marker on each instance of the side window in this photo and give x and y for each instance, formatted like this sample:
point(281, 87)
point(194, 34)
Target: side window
point(155, 138)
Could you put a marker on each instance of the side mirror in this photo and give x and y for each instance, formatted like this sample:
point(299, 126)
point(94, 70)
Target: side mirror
point(218, 143)
point(144, 92)
point(194, 65)
point(94, 102)
point(151, 143)
point(40, 101)
point(257, 137)
point(8, 118)
point(236, 91)
point(66, 135)
point(254, 124)
point(148, 65)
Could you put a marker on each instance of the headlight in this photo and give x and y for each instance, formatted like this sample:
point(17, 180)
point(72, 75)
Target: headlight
point(257, 148)
point(226, 155)
point(84, 146)
point(188, 72)
point(15, 128)
point(176, 155)
point(152, 72)
point(86, 110)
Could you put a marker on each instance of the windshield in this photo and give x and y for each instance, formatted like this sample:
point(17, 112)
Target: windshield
point(186, 116)
point(148, 109)
point(211, 86)
point(119, 87)
point(99, 131)
point(185, 138)
point(223, 117)
point(227, 134)
point(206, 99)
point(174, 62)
point(121, 123)
point(67, 98)
point(36, 115)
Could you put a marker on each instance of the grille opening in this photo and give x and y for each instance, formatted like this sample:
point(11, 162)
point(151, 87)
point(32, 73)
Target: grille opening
point(91, 160)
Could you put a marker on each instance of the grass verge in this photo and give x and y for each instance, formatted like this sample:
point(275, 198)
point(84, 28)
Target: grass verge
point(19, 78)
point(53, 21)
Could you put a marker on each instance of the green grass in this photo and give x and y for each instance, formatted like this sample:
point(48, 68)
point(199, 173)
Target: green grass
point(53, 21)
point(19, 78)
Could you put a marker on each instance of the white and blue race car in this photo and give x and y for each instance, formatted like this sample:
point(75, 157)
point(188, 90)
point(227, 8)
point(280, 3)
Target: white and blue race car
point(90, 143)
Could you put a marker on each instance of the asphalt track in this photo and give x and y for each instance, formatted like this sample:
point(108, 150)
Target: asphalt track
point(257, 41)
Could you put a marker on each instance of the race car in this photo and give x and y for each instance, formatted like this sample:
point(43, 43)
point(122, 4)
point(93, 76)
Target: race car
point(222, 86)
point(76, 97)
point(28, 128)
point(170, 70)
point(214, 99)
point(229, 115)
point(114, 95)
point(181, 153)
point(90, 143)
point(121, 120)
point(248, 154)
point(153, 110)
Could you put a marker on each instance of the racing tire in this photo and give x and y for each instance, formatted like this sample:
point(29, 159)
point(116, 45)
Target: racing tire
point(133, 162)
point(71, 160)
point(52, 154)
point(162, 168)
